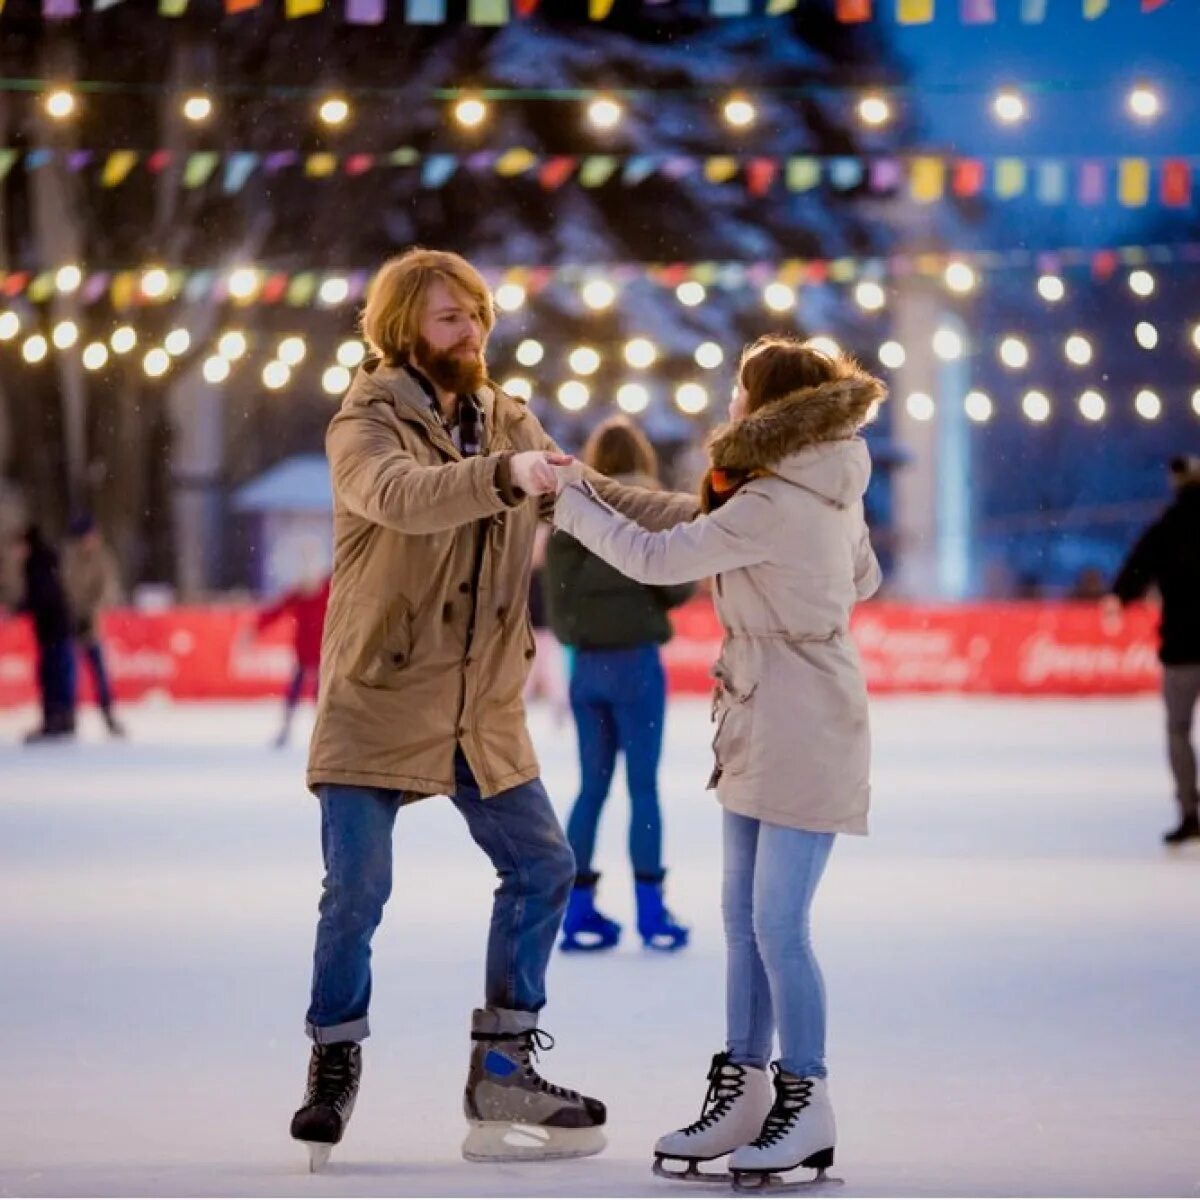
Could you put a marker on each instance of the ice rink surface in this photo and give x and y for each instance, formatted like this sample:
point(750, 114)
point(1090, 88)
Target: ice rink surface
point(1012, 960)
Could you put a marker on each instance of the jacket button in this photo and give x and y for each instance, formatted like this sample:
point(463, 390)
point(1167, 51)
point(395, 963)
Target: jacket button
point(464, 588)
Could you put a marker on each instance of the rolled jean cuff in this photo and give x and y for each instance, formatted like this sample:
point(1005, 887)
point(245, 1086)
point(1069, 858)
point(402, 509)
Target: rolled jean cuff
point(348, 1031)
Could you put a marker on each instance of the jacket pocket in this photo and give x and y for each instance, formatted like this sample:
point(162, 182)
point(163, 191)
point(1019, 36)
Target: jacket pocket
point(387, 653)
point(733, 711)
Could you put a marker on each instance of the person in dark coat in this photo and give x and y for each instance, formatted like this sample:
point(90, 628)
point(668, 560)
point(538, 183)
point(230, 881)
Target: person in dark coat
point(1167, 557)
point(618, 693)
point(45, 601)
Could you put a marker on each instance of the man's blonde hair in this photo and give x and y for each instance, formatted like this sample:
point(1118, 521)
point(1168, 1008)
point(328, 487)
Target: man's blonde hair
point(396, 298)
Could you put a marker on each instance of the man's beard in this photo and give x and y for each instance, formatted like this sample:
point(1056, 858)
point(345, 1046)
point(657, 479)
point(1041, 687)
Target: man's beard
point(449, 370)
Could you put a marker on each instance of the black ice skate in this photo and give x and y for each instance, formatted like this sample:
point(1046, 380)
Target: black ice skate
point(334, 1072)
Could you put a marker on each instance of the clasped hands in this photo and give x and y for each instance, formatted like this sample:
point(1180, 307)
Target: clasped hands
point(541, 473)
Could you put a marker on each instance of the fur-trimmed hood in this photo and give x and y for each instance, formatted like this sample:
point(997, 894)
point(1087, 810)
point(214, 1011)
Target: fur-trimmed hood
point(807, 437)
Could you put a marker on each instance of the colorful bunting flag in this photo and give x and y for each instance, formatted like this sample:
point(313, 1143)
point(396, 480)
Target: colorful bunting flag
point(968, 177)
point(1176, 183)
point(1094, 8)
point(7, 159)
point(238, 6)
point(556, 171)
point(1091, 183)
point(720, 168)
point(1033, 12)
point(1052, 183)
point(199, 168)
point(238, 169)
point(596, 170)
point(1010, 178)
point(515, 162)
point(914, 12)
point(760, 174)
point(166, 8)
point(60, 10)
point(118, 166)
point(599, 9)
point(803, 174)
point(729, 8)
point(978, 12)
point(365, 12)
point(852, 12)
point(425, 12)
point(927, 179)
point(488, 12)
point(302, 8)
point(776, 8)
point(1133, 182)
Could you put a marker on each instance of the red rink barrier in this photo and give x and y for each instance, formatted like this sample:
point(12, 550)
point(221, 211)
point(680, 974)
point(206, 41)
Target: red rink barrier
point(1017, 648)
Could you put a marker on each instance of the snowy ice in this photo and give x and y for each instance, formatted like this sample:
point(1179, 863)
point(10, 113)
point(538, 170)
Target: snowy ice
point(1012, 960)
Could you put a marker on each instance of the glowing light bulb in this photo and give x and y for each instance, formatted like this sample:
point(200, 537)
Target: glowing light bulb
point(530, 352)
point(632, 398)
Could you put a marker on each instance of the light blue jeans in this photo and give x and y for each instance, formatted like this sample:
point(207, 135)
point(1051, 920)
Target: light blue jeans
point(773, 981)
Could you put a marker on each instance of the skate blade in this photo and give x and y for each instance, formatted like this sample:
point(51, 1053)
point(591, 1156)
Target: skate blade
point(750, 1182)
point(503, 1141)
point(693, 1174)
point(318, 1156)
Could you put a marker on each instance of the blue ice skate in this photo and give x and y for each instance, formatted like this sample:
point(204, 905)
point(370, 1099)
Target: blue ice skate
point(585, 928)
point(657, 926)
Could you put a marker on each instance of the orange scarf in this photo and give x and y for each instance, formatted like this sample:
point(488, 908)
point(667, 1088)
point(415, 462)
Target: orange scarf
point(719, 484)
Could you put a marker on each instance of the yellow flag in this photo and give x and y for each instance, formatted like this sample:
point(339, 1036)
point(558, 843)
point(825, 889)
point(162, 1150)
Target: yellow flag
point(928, 179)
point(303, 8)
point(515, 162)
point(1133, 183)
point(123, 289)
point(488, 12)
point(118, 166)
point(1094, 8)
point(803, 174)
point(775, 7)
point(1010, 177)
point(914, 12)
point(599, 9)
point(320, 166)
point(720, 168)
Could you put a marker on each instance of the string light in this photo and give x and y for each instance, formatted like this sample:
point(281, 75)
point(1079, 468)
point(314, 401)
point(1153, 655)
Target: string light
point(573, 395)
point(60, 104)
point(197, 109)
point(978, 407)
point(177, 342)
point(67, 279)
point(1051, 288)
point(919, 406)
point(1144, 102)
point(947, 345)
point(1148, 405)
point(874, 111)
point(10, 325)
point(584, 360)
point(960, 278)
point(709, 356)
point(739, 112)
point(824, 345)
point(519, 386)
point(510, 297)
point(690, 293)
point(632, 398)
point(334, 291)
point(641, 353)
point(1141, 283)
point(95, 356)
point(276, 374)
point(530, 352)
point(334, 111)
point(65, 334)
point(1036, 406)
point(470, 112)
point(335, 380)
point(1009, 107)
point(351, 353)
point(291, 351)
point(892, 355)
point(1014, 354)
point(34, 349)
point(1196, 402)
point(232, 345)
point(156, 363)
point(216, 369)
point(1146, 335)
point(599, 294)
point(1078, 350)
point(1196, 336)
point(691, 398)
point(869, 296)
point(154, 283)
point(778, 297)
point(604, 113)
point(1092, 406)
point(243, 283)
point(123, 339)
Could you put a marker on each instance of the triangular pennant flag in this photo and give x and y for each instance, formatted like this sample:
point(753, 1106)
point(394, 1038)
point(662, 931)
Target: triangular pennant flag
point(1104, 264)
point(556, 171)
point(15, 284)
point(720, 168)
point(7, 159)
point(279, 160)
point(638, 168)
point(853, 12)
point(515, 162)
point(803, 174)
point(1176, 183)
point(365, 12)
point(199, 285)
point(846, 173)
point(597, 169)
point(1052, 182)
point(172, 8)
point(301, 289)
point(1149, 6)
point(199, 167)
point(118, 166)
point(42, 287)
point(1133, 182)
point(526, 8)
point(302, 8)
point(887, 174)
point(599, 9)
point(274, 289)
point(101, 5)
point(842, 270)
point(94, 287)
point(776, 8)
point(359, 164)
point(78, 159)
point(239, 167)
point(36, 159)
point(425, 12)
point(406, 156)
point(914, 12)
point(926, 179)
point(1010, 177)
point(488, 12)
point(729, 8)
point(978, 12)
point(1094, 8)
point(60, 10)
point(1091, 183)
point(320, 166)
point(967, 178)
point(760, 174)
point(237, 6)
point(158, 161)
point(437, 169)
point(1033, 12)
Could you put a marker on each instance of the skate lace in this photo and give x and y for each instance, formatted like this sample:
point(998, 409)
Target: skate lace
point(330, 1078)
point(792, 1097)
point(533, 1040)
point(726, 1083)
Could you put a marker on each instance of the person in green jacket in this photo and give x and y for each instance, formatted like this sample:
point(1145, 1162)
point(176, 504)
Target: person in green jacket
point(618, 698)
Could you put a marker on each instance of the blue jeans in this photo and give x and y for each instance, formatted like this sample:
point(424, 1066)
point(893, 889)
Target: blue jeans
point(619, 698)
point(517, 829)
point(773, 980)
point(56, 682)
point(93, 651)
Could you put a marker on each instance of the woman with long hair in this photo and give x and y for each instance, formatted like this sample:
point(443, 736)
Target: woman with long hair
point(783, 532)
